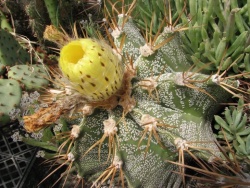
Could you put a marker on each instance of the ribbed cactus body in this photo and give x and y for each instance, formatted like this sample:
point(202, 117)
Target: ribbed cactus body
point(179, 106)
point(168, 85)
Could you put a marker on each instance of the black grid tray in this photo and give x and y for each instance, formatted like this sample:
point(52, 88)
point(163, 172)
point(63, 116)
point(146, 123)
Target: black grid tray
point(16, 159)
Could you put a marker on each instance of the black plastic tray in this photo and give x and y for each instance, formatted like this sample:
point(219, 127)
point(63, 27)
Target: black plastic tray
point(16, 158)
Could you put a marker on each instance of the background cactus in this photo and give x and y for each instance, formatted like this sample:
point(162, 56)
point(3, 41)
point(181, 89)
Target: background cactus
point(179, 62)
point(10, 98)
point(33, 77)
point(30, 18)
point(9, 88)
point(11, 51)
point(13, 57)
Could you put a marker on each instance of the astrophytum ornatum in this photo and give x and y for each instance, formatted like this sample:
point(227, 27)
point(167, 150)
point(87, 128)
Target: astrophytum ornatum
point(92, 68)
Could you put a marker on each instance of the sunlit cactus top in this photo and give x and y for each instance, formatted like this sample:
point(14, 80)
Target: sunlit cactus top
point(92, 68)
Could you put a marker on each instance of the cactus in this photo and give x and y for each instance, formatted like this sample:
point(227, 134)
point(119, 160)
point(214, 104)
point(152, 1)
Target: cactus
point(141, 111)
point(52, 7)
point(2, 69)
point(4, 23)
point(33, 77)
point(11, 52)
point(30, 18)
point(38, 18)
point(235, 130)
point(10, 98)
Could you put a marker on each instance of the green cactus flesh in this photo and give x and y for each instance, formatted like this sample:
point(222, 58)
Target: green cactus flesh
point(52, 7)
point(10, 97)
point(11, 52)
point(4, 23)
point(2, 68)
point(39, 17)
point(161, 113)
point(171, 113)
point(137, 168)
point(32, 76)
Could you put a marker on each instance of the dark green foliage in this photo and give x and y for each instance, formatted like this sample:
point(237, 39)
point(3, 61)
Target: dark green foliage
point(234, 129)
point(2, 69)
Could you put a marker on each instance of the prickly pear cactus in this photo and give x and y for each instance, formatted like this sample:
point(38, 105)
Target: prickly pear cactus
point(10, 98)
point(11, 52)
point(140, 107)
point(15, 76)
point(33, 77)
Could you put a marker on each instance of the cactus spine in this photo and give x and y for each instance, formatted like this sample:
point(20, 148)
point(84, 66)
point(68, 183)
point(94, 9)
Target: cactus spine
point(143, 110)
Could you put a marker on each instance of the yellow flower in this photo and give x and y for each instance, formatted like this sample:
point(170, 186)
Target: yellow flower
point(92, 68)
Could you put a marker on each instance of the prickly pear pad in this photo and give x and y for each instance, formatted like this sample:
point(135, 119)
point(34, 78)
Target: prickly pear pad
point(10, 96)
point(11, 52)
point(32, 76)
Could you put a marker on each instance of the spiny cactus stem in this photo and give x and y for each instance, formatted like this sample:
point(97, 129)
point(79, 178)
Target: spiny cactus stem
point(110, 131)
point(150, 126)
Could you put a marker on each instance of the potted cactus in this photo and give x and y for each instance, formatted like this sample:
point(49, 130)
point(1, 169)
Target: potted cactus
point(137, 100)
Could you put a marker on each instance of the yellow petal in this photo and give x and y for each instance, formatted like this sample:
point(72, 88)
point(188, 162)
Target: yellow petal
point(92, 68)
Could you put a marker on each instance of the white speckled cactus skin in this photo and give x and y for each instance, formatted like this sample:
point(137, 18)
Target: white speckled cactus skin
point(179, 113)
point(134, 106)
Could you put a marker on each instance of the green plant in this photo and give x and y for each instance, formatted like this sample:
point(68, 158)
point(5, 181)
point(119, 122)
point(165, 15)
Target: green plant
point(235, 130)
point(21, 77)
point(10, 98)
point(32, 77)
point(30, 18)
point(11, 51)
point(142, 109)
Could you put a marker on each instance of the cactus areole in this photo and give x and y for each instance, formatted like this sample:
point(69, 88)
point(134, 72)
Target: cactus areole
point(179, 105)
point(135, 114)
